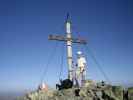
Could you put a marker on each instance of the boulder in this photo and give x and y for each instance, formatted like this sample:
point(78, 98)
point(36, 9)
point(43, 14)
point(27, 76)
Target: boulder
point(118, 92)
point(130, 93)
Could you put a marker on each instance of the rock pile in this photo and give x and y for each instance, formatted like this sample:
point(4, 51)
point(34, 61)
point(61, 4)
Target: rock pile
point(91, 91)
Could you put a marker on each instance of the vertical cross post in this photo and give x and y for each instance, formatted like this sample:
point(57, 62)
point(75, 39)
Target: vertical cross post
point(69, 47)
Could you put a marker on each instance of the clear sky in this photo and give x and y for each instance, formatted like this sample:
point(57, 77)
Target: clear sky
point(25, 49)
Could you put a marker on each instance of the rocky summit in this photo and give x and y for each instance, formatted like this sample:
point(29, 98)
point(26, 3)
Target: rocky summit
point(91, 91)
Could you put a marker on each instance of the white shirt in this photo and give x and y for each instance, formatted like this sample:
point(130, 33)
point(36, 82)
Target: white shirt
point(81, 62)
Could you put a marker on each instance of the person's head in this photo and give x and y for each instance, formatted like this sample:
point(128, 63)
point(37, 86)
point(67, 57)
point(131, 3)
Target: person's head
point(79, 54)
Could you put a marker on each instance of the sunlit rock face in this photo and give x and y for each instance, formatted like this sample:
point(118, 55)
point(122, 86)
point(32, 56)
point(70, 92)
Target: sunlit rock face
point(90, 91)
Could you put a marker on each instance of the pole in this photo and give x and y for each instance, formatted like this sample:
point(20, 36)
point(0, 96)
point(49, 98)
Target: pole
point(69, 48)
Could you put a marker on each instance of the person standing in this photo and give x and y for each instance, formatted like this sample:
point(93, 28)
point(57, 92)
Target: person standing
point(80, 68)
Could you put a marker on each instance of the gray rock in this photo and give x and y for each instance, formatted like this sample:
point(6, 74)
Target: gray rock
point(90, 91)
point(130, 93)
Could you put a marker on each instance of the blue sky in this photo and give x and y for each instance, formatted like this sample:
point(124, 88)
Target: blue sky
point(25, 48)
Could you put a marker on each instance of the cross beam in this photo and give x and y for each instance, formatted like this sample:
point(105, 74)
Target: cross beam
point(69, 40)
point(63, 38)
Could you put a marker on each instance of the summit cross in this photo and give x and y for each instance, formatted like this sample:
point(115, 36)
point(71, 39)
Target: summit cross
point(69, 40)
